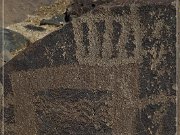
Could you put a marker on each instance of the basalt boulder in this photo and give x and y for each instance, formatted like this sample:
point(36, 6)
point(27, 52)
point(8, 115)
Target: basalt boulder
point(111, 71)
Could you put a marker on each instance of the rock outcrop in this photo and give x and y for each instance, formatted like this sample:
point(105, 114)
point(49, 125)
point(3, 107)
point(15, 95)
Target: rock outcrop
point(111, 71)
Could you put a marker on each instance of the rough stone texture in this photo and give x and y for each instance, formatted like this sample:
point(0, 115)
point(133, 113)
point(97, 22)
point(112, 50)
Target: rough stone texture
point(13, 43)
point(79, 7)
point(17, 11)
point(31, 26)
point(119, 57)
point(75, 100)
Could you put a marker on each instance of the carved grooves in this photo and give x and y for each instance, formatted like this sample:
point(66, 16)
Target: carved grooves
point(80, 111)
point(100, 26)
point(85, 32)
point(130, 46)
point(115, 38)
point(98, 41)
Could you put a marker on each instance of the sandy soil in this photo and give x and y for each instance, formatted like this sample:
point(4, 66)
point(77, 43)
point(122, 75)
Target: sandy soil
point(17, 10)
point(44, 12)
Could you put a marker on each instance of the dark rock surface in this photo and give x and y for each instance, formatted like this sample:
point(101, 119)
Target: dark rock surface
point(13, 43)
point(55, 20)
point(79, 7)
point(111, 71)
point(34, 28)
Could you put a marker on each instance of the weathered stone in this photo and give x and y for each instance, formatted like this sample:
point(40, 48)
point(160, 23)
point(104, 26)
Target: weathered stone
point(12, 42)
point(72, 103)
point(152, 119)
point(34, 28)
point(111, 71)
point(55, 20)
point(80, 7)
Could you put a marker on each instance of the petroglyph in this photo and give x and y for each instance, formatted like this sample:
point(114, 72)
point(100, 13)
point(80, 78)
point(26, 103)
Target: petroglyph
point(105, 36)
point(111, 71)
